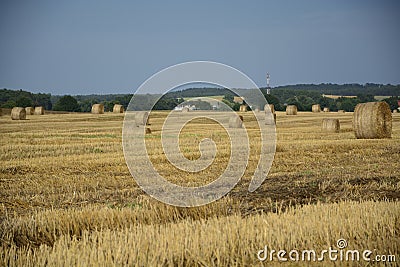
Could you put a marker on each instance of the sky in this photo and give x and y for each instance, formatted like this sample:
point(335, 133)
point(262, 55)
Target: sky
point(102, 46)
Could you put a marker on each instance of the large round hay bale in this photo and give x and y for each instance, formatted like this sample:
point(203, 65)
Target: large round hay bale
point(142, 118)
point(18, 113)
point(291, 110)
point(29, 110)
point(271, 107)
point(185, 109)
point(270, 118)
point(372, 120)
point(326, 109)
point(39, 111)
point(118, 108)
point(98, 109)
point(316, 108)
point(243, 108)
point(331, 125)
point(235, 122)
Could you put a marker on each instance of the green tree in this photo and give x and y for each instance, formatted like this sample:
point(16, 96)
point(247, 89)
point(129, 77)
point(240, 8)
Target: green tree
point(24, 102)
point(393, 102)
point(67, 103)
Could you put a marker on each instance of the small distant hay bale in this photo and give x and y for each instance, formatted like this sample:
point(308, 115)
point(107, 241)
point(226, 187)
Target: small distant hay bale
point(270, 118)
point(29, 110)
point(291, 110)
point(372, 120)
point(341, 111)
point(326, 109)
point(395, 111)
point(39, 111)
point(185, 109)
point(142, 118)
point(118, 108)
point(18, 113)
point(271, 107)
point(147, 130)
point(235, 122)
point(98, 109)
point(256, 110)
point(316, 108)
point(331, 125)
point(243, 108)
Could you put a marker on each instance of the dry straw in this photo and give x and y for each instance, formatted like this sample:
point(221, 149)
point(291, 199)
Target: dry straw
point(243, 108)
point(98, 109)
point(235, 122)
point(270, 118)
point(185, 109)
point(142, 118)
point(316, 108)
point(372, 120)
point(18, 113)
point(256, 110)
point(29, 110)
point(147, 130)
point(331, 125)
point(326, 109)
point(271, 107)
point(395, 111)
point(341, 111)
point(291, 110)
point(39, 111)
point(118, 108)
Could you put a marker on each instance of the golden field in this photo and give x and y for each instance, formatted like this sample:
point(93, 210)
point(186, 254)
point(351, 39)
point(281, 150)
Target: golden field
point(67, 197)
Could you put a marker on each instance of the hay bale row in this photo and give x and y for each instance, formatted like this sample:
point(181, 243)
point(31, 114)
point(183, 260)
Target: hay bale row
point(30, 110)
point(18, 113)
point(118, 108)
point(235, 121)
point(98, 109)
point(316, 108)
point(243, 108)
point(331, 125)
point(291, 110)
point(372, 120)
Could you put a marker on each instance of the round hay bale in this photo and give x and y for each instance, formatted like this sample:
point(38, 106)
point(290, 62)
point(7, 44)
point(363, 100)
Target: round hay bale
point(395, 111)
point(270, 119)
point(142, 118)
point(291, 110)
point(18, 113)
point(326, 109)
point(98, 109)
point(118, 108)
point(372, 120)
point(235, 122)
point(271, 107)
point(29, 110)
point(341, 111)
point(147, 130)
point(39, 111)
point(331, 125)
point(185, 109)
point(316, 108)
point(243, 108)
point(256, 110)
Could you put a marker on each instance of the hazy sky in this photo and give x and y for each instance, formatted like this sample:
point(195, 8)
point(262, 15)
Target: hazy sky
point(104, 46)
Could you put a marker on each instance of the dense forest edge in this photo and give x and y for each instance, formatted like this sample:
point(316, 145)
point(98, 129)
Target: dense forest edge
point(301, 95)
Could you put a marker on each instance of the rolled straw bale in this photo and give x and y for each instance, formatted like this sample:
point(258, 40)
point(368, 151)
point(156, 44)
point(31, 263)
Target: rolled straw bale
point(39, 111)
point(18, 113)
point(256, 110)
point(271, 107)
point(142, 118)
point(185, 109)
point(118, 108)
point(372, 120)
point(341, 111)
point(270, 118)
point(395, 111)
point(98, 109)
point(326, 109)
point(316, 108)
point(291, 110)
point(29, 110)
point(235, 122)
point(243, 108)
point(331, 125)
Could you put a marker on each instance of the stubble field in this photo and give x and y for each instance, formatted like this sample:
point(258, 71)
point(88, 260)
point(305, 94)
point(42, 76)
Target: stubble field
point(67, 197)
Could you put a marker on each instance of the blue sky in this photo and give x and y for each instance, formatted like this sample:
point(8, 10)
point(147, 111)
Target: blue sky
point(99, 46)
